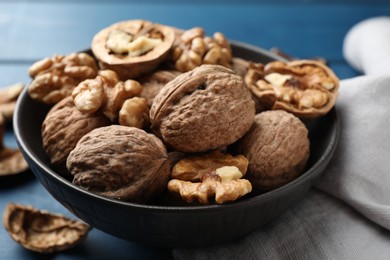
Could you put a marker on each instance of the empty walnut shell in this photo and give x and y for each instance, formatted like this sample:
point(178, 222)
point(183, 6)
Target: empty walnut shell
point(41, 231)
point(147, 57)
point(63, 126)
point(153, 83)
point(120, 162)
point(203, 109)
point(277, 147)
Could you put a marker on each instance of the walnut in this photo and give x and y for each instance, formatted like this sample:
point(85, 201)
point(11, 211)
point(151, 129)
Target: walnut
point(192, 168)
point(132, 48)
point(55, 78)
point(11, 160)
point(120, 162)
point(240, 66)
point(302, 87)
point(62, 128)
point(194, 49)
point(8, 97)
point(105, 92)
point(154, 82)
point(277, 147)
point(203, 109)
point(41, 231)
point(135, 113)
point(224, 184)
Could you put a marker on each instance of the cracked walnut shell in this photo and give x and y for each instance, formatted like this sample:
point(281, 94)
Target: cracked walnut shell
point(277, 147)
point(41, 231)
point(120, 162)
point(305, 88)
point(203, 109)
point(132, 48)
point(63, 126)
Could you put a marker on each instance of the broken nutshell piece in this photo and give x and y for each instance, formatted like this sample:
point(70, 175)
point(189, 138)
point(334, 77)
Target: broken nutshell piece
point(8, 97)
point(132, 48)
point(203, 109)
point(277, 147)
point(55, 78)
point(120, 162)
point(11, 160)
point(41, 231)
point(303, 87)
point(194, 49)
point(223, 185)
point(192, 168)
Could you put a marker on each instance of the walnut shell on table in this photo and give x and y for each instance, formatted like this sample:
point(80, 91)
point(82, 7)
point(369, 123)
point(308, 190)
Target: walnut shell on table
point(62, 128)
point(277, 147)
point(132, 48)
point(120, 162)
point(203, 109)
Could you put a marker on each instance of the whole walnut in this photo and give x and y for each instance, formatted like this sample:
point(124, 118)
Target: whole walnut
point(203, 109)
point(277, 147)
point(62, 128)
point(120, 162)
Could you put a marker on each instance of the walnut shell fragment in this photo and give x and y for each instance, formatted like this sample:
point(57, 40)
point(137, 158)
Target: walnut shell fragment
point(192, 168)
point(41, 231)
point(132, 48)
point(305, 88)
point(203, 109)
point(11, 160)
point(277, 147)
point(120, 162)
point(63, 127)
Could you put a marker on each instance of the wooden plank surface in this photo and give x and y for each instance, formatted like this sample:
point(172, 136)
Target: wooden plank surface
point(31, 30)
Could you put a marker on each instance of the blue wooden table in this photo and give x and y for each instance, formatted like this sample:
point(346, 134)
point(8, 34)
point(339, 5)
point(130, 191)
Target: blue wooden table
point(31, 30)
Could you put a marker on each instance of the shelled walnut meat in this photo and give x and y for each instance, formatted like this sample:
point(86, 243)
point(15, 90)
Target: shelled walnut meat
point(120, 162)
point(302, 87)
point(106, 93)
point(132, 48)
point(55, 78)
point(203, 109)
point(193, 49)
point(42, 231)
point(63, 127)
point(277, 147)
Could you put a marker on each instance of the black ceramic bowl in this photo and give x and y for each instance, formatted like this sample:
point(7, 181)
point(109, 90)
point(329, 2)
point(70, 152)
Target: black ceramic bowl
point(173, 226)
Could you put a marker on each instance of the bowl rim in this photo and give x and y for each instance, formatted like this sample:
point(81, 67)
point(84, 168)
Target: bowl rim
point(324, 158)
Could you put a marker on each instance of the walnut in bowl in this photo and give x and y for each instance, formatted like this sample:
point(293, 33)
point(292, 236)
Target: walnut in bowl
point(161, 225)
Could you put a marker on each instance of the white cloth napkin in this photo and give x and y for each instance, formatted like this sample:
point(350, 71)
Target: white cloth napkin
point(347, 214)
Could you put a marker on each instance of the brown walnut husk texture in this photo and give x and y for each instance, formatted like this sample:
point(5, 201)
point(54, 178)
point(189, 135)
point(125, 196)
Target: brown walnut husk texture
point(203, 109)
point(63, 127)
point(277, 147)
point(41, 231)
point(120, 162)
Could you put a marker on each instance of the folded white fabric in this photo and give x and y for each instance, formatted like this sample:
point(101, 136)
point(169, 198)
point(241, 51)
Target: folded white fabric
point(321, 227)
point(367, 46)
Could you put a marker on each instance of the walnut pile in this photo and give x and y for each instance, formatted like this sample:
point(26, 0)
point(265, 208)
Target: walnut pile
point(169, 113)
point(55, 78)
point(41, 231)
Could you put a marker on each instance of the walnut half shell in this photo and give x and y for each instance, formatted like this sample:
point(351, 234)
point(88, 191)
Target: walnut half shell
point(41, 231)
